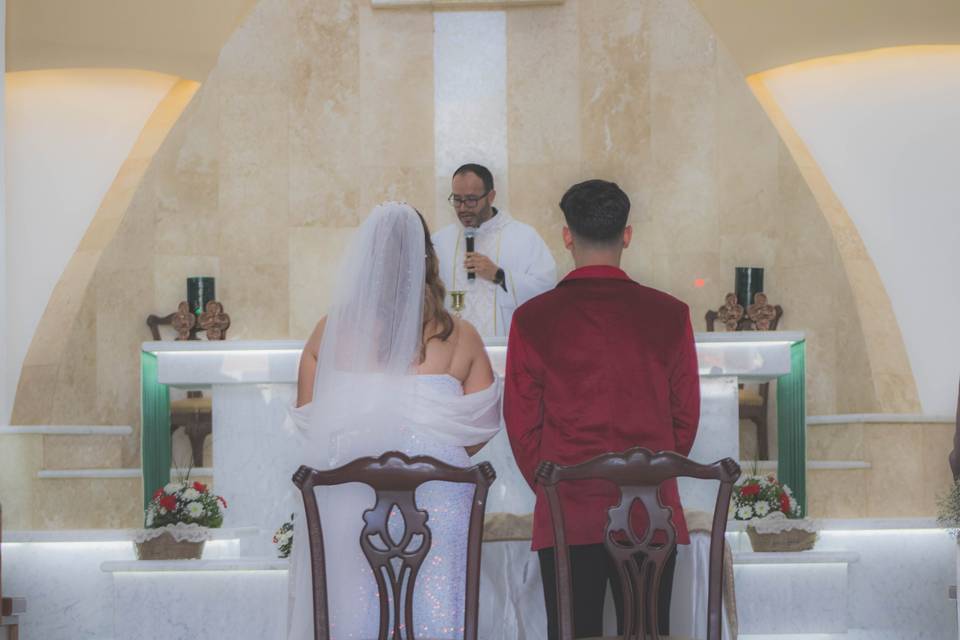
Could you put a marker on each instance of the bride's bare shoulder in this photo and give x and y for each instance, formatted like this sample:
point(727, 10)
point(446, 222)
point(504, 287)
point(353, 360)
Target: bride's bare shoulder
point(469, 344)
point(313, 343)
point(473, 354)
point(469, 336)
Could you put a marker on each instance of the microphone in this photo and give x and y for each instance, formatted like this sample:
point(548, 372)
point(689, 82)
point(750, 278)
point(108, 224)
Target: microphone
point(469, 234)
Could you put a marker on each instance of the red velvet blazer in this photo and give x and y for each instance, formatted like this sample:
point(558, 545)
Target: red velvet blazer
point(599, 364)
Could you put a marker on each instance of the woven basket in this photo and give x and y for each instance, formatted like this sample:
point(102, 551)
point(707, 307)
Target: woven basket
point(164, 547)
point(789, 540)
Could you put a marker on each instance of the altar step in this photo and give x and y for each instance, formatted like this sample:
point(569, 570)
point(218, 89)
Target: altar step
point(72, 477)
point(852, 634)
point(93, 498)
point(873, 465)
point(76, 446)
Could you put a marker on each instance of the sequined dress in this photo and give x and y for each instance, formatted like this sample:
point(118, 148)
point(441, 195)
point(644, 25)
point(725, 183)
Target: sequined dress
point(440, 585)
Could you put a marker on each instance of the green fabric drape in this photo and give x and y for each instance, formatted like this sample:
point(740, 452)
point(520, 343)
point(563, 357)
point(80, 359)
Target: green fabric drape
point(155, 448)
point(792, 426)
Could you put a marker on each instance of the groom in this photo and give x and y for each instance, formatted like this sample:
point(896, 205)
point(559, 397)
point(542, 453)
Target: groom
point(598, 364)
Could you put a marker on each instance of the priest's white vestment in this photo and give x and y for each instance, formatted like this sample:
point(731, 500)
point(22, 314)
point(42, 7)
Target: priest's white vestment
point(515, 247)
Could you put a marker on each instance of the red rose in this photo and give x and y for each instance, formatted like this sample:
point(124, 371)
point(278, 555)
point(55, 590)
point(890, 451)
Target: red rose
point(785, 503)
point(199, 486)
point(157, 493)
point(168, 502)
point(222, 501)
point(750, 490)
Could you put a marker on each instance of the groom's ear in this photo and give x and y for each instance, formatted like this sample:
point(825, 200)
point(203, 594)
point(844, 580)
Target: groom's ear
point(567, 238)
point(627, 236)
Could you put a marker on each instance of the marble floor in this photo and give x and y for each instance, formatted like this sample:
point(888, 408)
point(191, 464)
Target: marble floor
point(865, 580)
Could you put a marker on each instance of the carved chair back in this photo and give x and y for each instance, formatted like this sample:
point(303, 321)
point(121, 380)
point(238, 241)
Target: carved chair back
point(395, 477)
point(639, 556)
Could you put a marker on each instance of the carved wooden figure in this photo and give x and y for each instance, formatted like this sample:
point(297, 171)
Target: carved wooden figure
point(730, 313)
point(214, 321)
point(761, 313)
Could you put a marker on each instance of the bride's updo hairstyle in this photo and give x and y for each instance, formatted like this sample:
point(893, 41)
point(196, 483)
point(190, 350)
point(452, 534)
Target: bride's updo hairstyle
point(434, 294)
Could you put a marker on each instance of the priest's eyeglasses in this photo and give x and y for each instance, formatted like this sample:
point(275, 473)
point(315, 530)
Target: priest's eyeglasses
point(466, 201)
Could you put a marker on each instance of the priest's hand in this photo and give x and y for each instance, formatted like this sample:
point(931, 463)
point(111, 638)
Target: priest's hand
point(481, 265)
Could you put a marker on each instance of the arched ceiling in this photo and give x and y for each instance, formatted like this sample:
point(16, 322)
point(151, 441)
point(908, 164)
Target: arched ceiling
point(178, 37)
point(764, 34)
point(184, 37)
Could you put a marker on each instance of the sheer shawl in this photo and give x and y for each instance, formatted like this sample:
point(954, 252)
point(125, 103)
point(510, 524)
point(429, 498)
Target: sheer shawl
point(366, 398)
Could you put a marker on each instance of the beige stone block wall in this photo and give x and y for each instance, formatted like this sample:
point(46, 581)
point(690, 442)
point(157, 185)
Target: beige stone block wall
point(908, 469)
point(21, 457)
point(319, 109)
point(644, 94)
point(316, 112)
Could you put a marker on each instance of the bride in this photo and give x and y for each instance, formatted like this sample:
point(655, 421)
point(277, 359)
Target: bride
point(389, 369)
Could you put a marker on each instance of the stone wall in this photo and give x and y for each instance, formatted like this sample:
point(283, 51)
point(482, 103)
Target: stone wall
point(318, 109)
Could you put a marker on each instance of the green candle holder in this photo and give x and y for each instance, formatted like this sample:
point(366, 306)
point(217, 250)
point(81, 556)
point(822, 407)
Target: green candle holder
point(200, 291)
point(748, 282)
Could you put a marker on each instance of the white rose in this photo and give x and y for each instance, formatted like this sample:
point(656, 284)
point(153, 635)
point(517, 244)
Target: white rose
point(745, 512)
point(162, 511)
point(191, 494)
point(172, 487)
point(762, 508)
point(195, 509)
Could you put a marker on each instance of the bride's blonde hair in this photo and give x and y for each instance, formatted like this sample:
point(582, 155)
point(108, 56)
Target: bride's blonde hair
point(434, 295)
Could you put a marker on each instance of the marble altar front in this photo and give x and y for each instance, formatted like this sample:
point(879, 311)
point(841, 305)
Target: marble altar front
point(254, 453)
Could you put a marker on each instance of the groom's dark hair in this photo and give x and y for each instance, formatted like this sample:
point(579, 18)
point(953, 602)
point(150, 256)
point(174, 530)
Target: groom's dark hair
point(596, 211)
point(478, 170)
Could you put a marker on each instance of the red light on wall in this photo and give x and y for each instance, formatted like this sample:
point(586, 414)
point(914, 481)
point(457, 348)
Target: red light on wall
point(699, 282)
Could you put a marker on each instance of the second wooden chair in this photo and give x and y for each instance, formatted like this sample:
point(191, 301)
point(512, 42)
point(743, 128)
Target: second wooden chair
point(639, 556)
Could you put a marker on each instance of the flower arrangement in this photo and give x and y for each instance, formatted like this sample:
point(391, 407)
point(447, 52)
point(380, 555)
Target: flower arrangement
point(757, 497)
point(773, 515)
point(184, 503)
point(948, 513)
point(283, 538)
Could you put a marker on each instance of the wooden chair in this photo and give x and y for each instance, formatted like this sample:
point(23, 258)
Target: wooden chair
point(394, 477)
point(639, 556)
point(10, 608)
point(754, 405)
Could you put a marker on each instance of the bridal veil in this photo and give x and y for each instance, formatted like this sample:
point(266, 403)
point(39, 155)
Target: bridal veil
point(366, 397)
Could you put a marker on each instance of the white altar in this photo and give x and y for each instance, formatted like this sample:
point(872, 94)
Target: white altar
point(87, 585)
point(253, 382)
point(255, 453)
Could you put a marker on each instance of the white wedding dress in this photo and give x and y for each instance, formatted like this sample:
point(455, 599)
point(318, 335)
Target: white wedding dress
point(368, 399)
point(431, 422)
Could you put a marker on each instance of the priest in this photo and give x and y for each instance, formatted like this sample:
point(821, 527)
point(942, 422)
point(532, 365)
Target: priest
point(509, 263)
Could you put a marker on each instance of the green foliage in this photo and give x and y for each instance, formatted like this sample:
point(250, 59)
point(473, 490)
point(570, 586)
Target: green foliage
point(283, 538)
